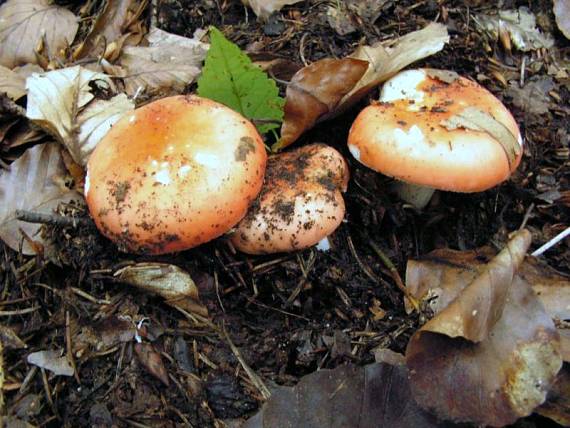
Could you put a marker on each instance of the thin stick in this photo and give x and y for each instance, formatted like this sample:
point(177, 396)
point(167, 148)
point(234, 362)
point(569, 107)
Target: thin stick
point(18, 311)
point(395, 275)
point(255, 379)
point(552, 242)
point(53, 219)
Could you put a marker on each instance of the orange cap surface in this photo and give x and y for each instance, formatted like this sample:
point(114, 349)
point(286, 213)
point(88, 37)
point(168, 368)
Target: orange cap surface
point(434, 128)
point(300, 203)
point(174, 174)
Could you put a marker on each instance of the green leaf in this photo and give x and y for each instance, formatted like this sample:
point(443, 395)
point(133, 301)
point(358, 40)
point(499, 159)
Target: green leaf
point(229, 77)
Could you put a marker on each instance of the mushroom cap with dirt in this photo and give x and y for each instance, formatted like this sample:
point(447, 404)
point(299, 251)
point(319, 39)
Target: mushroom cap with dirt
point(300, 203)
point(174, 174)
point(434, 129)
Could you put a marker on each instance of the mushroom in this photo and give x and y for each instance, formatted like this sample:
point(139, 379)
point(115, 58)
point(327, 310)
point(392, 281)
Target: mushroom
point(174, 174)
point(433, 129)
point(300, 204)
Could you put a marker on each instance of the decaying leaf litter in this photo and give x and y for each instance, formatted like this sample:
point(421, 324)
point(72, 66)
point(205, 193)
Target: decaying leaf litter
point(135, 358)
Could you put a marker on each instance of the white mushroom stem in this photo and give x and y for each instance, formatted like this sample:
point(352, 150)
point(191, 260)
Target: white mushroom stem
point(416, 195)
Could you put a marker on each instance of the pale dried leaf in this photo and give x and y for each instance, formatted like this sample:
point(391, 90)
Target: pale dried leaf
point(264, 8)
point(520, 25)
point(557, 406)
point(9, 339)
point(24, 22)
point(478, 120)
point(169, 62)
point(56, 100)
point(95, 121)
point(33, 183)
point(108, 27)
point(12, 83)
point(561, 10)
point(53, 361)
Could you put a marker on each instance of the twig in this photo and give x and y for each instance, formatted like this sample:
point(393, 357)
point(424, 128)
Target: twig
point(395, 275)
point(255, 379)
point(19, 311)
point(69, 347)
point(53, 219)
point(552, 242)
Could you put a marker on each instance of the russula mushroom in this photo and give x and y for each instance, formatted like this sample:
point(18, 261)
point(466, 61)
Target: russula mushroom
point(300, 203)
point(174, 174)
point(434, 129)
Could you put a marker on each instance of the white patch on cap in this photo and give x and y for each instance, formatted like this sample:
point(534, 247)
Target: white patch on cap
point(355, 151)
point(412, 138)
point(207, 159)
point(87, 183)
point(403, 86)
point(163, 176)
point(324, 244)
point(184, 170)
point(132, 118)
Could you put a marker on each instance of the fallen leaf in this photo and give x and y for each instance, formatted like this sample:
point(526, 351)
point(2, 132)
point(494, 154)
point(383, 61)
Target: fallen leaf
point(53, 361)
point(109, 25)
point(12, 83)
point(377, 395)
point(57, 101)
point(340, 15)
point(9, 339)
point(533, 97)
point(169, 62)
point(33, 183)
point(435, 276)
point(561, 9)
point(229, 77)
point(520, 25)
point(506, 366)
point(152, 361)
point(264, 8)
point(23, 23)
point(168, 281)
point(382, 61)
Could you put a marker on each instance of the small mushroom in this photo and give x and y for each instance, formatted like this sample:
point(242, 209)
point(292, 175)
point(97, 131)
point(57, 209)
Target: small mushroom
point(433, 129)
point(174, 174)
point(300, 204)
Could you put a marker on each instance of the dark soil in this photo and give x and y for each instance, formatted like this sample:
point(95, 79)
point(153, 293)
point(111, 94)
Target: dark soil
point(289, 314)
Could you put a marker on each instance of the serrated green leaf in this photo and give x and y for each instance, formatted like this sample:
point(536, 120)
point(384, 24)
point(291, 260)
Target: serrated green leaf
point(229, 77)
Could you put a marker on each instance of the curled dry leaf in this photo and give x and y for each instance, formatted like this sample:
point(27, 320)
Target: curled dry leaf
point(169, 62)
point(519, 24)
point(53, 361)
point(533, 97)
point(34, 183)
point(168, 281)
point(109, 25)
point(24, 23)
point(557, 406)
point(264, 8)
point(58, 101)
point(319, 92)
point(561, 10)
point(503, 375)
point(377, 395)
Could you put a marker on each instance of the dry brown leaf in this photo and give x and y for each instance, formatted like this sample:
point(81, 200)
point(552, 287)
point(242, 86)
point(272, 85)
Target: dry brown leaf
point(506, 374)
point(12, 83)
point(264, 8)
point(533, 97)
point(169, 62)
point(435, 276)
point(561, 10)
point(557, 406)
point(377, 395)
point(152, 361)
point(53, 361)
point(168, 281)
point(9, 339)
point(382, 60)
point(315, 91)
point(33, 183)
point(108, 27)
point(58, 101)
point(23, 23)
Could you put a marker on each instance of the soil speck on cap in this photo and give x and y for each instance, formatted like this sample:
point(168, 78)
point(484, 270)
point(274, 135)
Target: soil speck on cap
point(120, 190)
point(246, 146)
